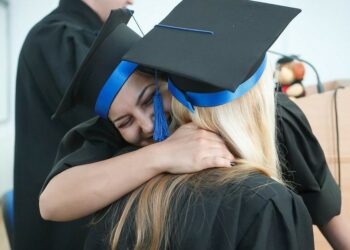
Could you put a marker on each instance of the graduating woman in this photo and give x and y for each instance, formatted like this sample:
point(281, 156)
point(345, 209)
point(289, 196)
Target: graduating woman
point(74, 192)
point(243, 207)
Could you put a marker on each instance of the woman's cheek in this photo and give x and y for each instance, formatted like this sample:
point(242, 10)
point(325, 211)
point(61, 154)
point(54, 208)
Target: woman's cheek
point(130, 135)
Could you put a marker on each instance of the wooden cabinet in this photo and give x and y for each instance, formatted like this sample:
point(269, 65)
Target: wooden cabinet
point(320, 111)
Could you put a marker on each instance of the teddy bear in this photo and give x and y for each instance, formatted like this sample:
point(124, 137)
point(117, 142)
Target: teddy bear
point(289, 75)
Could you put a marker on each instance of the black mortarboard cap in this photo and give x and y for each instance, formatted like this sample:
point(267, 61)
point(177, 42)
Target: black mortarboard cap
point(105, 54)
point(208, 46)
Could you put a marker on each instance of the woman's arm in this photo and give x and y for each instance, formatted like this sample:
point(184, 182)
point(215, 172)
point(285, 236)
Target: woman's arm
point(84, 189)
point(336, 231)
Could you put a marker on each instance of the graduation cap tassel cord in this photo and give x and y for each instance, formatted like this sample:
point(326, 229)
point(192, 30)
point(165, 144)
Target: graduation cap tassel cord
point(133, 17)
point(161, 131)
point(185, 29)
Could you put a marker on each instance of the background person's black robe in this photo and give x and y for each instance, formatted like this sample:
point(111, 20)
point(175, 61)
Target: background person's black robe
point(52, 52)
point(303, 163)
point(258, 213)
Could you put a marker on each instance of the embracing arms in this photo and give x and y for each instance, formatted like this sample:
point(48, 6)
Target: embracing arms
point(84, 189)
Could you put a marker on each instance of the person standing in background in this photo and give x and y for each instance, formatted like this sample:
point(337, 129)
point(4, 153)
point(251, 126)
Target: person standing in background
point(51, 53)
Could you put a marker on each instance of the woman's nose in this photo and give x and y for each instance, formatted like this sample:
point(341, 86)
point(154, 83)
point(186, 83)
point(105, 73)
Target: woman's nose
point(146, 124)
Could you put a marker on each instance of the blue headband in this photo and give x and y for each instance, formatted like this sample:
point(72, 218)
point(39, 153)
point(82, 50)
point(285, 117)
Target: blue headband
point(190, 99)
point(112, 87)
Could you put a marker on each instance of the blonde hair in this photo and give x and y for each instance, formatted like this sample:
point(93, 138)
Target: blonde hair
point(248, 127)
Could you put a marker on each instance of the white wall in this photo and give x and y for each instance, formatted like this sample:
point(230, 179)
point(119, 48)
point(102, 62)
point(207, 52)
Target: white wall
point(320, 34)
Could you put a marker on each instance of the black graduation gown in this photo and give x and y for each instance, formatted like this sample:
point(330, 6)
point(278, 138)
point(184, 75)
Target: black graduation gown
point(51, 53)
point(303, 162)
point(258, 213)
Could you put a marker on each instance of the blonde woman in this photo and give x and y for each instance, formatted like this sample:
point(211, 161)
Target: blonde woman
point(243, 207)
point(247, 206)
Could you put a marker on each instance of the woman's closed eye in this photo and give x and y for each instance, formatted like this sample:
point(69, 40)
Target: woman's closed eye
point(126, 123)
point(149, 100)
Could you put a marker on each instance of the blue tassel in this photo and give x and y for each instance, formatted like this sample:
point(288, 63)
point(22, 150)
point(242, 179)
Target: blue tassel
point(160, 132)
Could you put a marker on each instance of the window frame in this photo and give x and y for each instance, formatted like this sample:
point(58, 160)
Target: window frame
point(5, 93)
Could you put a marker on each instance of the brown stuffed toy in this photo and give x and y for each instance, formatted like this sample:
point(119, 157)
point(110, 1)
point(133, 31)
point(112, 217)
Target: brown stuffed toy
point(289, 75)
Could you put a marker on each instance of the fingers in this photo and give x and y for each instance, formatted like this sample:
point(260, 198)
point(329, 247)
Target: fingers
point(222, 152)
point(198, 149)
point(216, 157)
point(213, 162)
